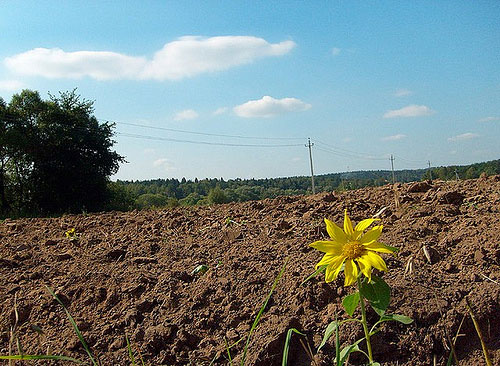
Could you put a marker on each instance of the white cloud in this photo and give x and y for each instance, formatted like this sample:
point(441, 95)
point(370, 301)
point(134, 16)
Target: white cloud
point(402, 92)
point(55, 63)
point(409, 111)
point(184, 57)
point(489, 119)
point(11, 85)
point(394, 137)
point(165, 164)
point(336, 51)
point(220, 111)
point(270, 107)
point(464, 136)
point(186, 114)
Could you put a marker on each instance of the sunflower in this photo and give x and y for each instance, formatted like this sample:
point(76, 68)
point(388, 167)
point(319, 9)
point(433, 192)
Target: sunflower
point(352, 247)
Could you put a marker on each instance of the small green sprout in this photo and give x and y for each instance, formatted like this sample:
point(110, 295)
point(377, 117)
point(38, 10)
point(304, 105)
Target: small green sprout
point(201, 269)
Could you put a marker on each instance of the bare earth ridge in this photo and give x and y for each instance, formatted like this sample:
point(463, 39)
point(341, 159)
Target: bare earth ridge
point(131, 273)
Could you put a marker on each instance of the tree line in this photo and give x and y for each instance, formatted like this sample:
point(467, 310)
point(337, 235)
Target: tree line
point(55, 158)
point(174, 192)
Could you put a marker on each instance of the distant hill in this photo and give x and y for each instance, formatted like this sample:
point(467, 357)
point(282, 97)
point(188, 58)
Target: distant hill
point(172, 192)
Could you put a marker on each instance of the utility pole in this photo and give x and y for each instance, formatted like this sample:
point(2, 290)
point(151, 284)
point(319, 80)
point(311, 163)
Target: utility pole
point(309, 145)
point(430, 171)
point(456, 174)
point(392, 168)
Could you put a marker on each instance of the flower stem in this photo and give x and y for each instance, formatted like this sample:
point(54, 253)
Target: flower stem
point(363, 321)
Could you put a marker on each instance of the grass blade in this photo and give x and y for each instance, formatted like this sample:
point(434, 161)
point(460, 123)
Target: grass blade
point(228, 351)
point(75, 327)
point(259, 314)
point(284, 361)
point(130, 353)
point(41, 357)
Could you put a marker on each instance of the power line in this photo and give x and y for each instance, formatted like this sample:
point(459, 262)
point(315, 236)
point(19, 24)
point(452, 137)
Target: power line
point(349, 153)
point(202, 142)
point(201, 133)
point(412, 161)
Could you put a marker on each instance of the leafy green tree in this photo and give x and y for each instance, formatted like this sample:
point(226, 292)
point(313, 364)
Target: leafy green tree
point(217, 196)
point(191, 200)
point(149, 200)
point(119, 198)
point(60, 157)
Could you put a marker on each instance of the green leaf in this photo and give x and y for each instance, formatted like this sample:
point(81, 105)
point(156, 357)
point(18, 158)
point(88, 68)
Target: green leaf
point(350, 303)
point(328, 333)
point(396, 317)
point(284, 361)
point(320, 269)
point(346, 351)
point(378, 293)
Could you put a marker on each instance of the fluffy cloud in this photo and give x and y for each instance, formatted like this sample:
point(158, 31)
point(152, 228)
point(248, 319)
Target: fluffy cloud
point(270, 107)
point(11, 85)
point(55, 63)
point(184, 57)
point(409, 111)
point(165, 164)
point(394, 137)
point(402, 92)
point(186, 114)
point(464, 136)
point(489, 119)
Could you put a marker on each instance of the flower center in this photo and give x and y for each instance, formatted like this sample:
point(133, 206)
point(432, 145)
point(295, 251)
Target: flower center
point(353, 250)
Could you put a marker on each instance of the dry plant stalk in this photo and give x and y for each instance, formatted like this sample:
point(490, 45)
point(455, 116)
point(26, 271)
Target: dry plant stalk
point(409, 266)
point(397, 201)
point(427, 254)
point(479, 333)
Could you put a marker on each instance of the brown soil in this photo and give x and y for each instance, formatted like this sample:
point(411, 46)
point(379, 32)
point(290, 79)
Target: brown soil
point(131, 273)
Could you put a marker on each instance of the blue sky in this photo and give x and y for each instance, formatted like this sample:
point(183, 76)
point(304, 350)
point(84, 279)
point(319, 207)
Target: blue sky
point(192, 83)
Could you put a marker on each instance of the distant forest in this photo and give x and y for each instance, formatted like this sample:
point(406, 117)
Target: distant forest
point(172, 192)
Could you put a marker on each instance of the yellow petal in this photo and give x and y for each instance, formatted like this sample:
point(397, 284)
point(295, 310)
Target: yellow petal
point(327, 259)
point(333, 270)
point(371, 235)
point(335, 232)
point(365, 267)
point(327, 247)
point(347, 224)
point(379, 247)
point(351, 272)
point(362, 226)
point(374, 260)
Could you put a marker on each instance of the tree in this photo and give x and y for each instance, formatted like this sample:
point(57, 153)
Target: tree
point(64, 159)
point(217, 195)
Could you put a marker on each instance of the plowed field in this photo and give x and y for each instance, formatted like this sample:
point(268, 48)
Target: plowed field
point(132, 274)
